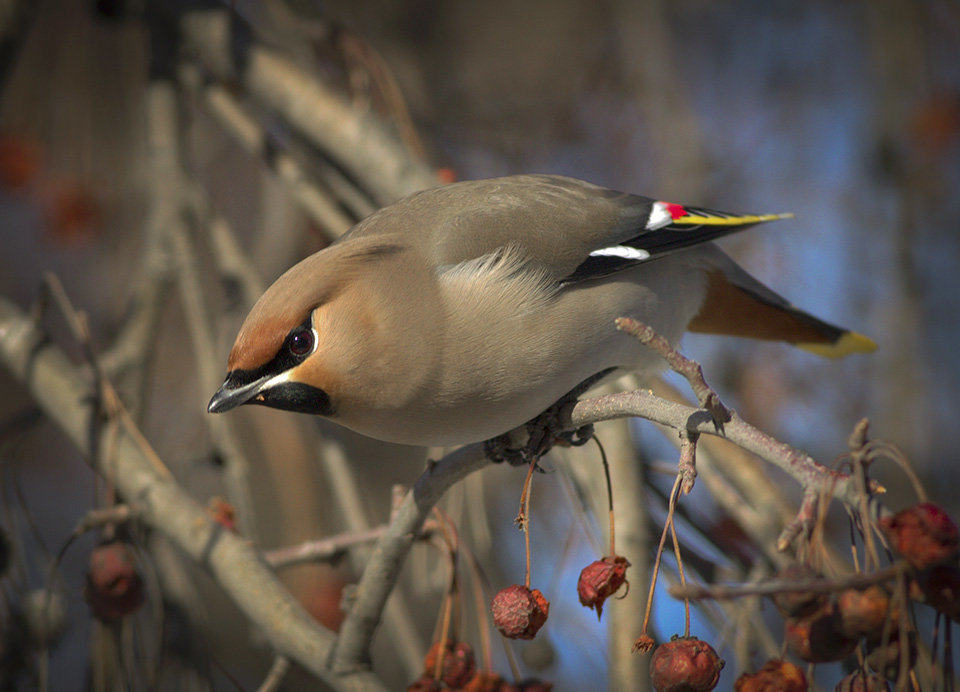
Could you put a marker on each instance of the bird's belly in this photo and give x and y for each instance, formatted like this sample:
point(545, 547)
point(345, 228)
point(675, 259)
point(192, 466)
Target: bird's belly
point(500, 375)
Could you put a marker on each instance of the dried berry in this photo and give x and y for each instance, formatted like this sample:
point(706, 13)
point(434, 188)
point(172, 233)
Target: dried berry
point(798, 604)
point(425, 683)
point(685, 664)
point(601, 579)
point(485, 682)
point(817, 638)
point(518, 612)
point(776, 675)
point(458, 666)
point(885, 658)
point(114, 588)
point(862, 681)
point(924, 535)
point(940, 586)
point(863, 612)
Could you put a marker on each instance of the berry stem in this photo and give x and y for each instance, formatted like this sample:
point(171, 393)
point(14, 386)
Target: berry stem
point(523, 517)
point(606, 474)
point(676, 551)
point(656, 561)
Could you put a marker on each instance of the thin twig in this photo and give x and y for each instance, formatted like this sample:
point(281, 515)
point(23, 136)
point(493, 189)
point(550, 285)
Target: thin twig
point(803, 468)
point(253, 137)
point(356, 140)
point(278, 671)
point(385, 562)
point(695, 592)
point(332, 548)
point(689, 369)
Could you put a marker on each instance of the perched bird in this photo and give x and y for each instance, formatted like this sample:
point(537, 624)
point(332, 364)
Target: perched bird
point(461, 312)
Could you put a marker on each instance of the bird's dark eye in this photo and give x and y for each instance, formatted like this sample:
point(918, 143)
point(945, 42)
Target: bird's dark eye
point(301, 342)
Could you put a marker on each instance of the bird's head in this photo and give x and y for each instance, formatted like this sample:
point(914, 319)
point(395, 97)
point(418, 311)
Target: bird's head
point(310, 341)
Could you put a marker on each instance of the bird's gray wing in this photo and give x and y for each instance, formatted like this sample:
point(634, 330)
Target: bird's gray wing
point(569, 228)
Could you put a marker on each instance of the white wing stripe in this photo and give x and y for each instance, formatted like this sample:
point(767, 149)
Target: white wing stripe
point(624, 251)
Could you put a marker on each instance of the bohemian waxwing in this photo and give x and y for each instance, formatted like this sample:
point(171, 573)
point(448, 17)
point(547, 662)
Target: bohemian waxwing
point(461, 312)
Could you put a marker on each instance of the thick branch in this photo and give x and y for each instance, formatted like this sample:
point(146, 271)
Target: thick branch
point(63, 391)
point(357, 140)
point(383, 569)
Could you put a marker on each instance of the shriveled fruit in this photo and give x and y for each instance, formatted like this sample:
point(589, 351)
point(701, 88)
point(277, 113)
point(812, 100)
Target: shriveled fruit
point(685, 664)
point(601, 579)
point(776, 675)
point(817, 639)
point(114, 588)
point(863, 612)
point(797, 604)
point(458, 666)
point(924, 534)
point(519, 612)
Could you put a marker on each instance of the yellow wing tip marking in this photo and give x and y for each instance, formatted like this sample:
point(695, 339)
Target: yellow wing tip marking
point(850, 342)
point(743, 220)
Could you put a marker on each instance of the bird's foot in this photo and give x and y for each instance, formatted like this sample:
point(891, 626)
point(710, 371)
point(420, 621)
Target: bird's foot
point(529, 442)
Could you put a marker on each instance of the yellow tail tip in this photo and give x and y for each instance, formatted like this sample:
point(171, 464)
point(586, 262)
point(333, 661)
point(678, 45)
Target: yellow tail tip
point(850, 342)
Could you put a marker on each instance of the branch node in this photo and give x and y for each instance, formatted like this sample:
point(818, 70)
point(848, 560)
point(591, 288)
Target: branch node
point(690, 369)
point(803, 522)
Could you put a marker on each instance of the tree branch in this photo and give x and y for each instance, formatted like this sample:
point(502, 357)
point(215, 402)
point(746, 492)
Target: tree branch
point(383, 569)
point(63, 391)
point(356, 140)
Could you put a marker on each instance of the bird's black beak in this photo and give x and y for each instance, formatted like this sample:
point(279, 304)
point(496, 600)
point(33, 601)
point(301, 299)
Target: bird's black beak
point(235, 390)
point(245, 387)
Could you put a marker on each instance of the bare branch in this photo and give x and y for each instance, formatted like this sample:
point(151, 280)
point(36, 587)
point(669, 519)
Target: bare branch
point(383, 569)
point(332, 547)
point(248, 132)
point(356, 140)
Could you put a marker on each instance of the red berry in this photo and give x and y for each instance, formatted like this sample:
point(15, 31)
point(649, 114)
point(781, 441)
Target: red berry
point(924, 534)
point(114, 589)
point(518, 612)
point(601, 579)
point(458, 667)
point(685, 664)
point(775, 676)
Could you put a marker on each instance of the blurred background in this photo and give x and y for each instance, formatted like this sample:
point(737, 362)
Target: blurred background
point(845, 113)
